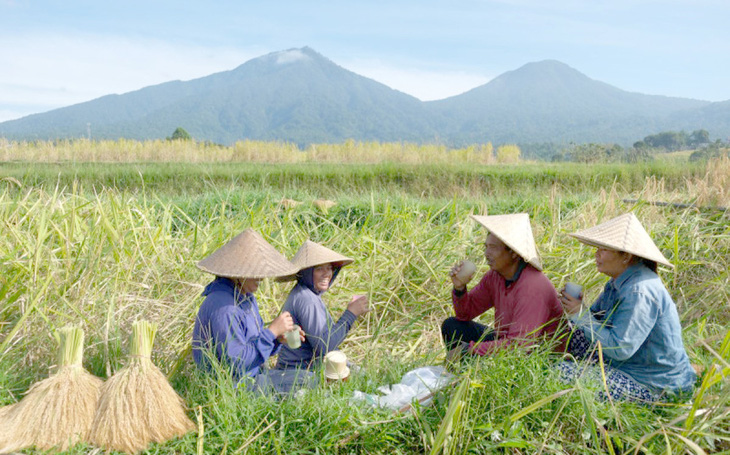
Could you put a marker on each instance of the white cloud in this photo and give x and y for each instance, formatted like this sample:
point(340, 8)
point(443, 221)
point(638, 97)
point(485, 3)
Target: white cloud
point(424, 84)
point(61, 70)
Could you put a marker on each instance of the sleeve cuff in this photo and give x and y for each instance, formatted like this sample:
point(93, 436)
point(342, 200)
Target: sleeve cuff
point(349, 316)
point(459, 293)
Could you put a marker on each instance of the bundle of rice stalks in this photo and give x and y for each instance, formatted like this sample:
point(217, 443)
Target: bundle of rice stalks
point(56, 412)
point(138, 405)
point(324, 204)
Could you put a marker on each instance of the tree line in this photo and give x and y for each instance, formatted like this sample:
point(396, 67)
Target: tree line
point(645, 149)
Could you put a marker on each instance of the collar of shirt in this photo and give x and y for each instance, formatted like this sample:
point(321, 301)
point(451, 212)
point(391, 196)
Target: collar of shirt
point(520, 267)
point(242, 299)
point(632, 270)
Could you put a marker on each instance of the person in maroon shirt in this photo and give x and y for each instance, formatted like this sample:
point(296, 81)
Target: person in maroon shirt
point(525, 302)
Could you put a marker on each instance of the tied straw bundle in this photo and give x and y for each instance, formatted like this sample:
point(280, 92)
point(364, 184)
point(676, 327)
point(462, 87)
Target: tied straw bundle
point(138, 405)
point(56, 412)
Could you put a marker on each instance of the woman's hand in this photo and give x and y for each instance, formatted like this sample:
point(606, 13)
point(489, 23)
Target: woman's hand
point(571, 305)
point(282, 324)
point(358, 305)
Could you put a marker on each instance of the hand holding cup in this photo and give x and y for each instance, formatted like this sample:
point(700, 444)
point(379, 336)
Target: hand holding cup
point(571, 297)
point(294, 337)
point(462, 273)
point(282, 324)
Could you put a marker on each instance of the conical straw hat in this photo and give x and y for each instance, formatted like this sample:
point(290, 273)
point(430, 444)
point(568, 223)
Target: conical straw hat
point(623, 233)
point(312, 254)
point(247, 255)
point(515, 232)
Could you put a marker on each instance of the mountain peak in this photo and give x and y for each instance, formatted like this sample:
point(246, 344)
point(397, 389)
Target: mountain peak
point(292, 55)
point(552, 69)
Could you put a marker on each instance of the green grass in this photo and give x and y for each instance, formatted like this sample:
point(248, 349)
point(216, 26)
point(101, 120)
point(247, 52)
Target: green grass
point(101, 246)
point(470, 181)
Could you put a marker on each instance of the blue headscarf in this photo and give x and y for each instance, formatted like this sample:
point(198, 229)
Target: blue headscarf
point(305, 277)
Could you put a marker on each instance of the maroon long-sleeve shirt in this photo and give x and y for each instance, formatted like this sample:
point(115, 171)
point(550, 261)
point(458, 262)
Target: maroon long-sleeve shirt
point(526, 309)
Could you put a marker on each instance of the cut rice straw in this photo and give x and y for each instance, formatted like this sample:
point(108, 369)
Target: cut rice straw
point(57, 412)
point(138, 405)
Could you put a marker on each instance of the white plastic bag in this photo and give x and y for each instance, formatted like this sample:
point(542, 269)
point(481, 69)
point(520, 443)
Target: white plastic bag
point(416, 385)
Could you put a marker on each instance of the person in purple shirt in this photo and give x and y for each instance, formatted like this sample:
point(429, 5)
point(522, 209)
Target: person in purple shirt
point(318, 267)
point(634, 319)
point(229, 329)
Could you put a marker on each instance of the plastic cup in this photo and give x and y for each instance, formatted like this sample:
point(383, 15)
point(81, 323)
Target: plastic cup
point(293, 340)
point(573, 290)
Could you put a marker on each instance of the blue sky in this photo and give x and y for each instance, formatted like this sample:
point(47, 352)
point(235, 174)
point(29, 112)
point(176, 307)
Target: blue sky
point(58, 53)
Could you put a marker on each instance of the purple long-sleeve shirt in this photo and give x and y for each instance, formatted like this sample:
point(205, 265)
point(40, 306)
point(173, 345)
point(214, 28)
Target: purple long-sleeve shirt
point(230, 327)
point(322, 333)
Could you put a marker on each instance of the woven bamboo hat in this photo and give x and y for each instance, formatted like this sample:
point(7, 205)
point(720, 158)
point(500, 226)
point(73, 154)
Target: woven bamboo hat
point(247, 255)
point(312, 254)
point(623, 233)
point(335, 365)
point(514, 231)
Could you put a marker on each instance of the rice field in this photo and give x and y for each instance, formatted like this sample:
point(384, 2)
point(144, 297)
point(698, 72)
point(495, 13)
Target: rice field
point(103, 245)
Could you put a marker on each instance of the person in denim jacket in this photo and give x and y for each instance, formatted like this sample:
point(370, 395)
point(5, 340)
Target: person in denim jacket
point(634, 320)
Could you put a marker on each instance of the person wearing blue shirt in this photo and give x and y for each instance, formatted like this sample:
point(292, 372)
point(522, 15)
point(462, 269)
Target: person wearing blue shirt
point(318, 266)
point(229, 328)
point(634, 320)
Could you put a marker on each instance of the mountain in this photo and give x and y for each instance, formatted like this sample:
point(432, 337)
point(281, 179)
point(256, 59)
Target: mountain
point(300, 96)
point(549, 101)
point(295, 95)
point(714, 118)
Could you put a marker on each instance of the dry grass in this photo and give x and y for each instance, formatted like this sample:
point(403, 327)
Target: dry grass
point(106, 258)
point(137, 404)
point(159, 151)
point(57, 412)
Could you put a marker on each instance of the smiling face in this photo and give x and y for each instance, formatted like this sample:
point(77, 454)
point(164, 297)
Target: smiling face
point(612, 262)
point(500, 258)
point(322, 275)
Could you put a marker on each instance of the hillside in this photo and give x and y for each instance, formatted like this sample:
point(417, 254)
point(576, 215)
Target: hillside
point(551, 102)
point(300, 96)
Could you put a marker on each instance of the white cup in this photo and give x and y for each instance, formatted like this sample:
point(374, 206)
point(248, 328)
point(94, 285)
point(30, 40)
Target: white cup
point(466, 271)
point(573, 289)
point(293, 340)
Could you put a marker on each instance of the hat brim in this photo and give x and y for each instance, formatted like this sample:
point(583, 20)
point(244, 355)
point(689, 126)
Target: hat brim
point(597, 244)
point(247, 255)
point(624, 233)
point(338, 376)
point(531, 256)
point(312, 254)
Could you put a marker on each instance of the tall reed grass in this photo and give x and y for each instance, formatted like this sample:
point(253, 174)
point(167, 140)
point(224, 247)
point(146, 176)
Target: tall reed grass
point(102, 257)
point(159, 151)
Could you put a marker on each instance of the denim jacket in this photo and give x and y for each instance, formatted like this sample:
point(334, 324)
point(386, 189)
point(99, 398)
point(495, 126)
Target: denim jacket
point(637, 323)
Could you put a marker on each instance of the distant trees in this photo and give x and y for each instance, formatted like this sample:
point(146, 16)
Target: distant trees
point(180, 135)
point(714, 150)
point(603, 153)
point(671, 141)
point(699, 137)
